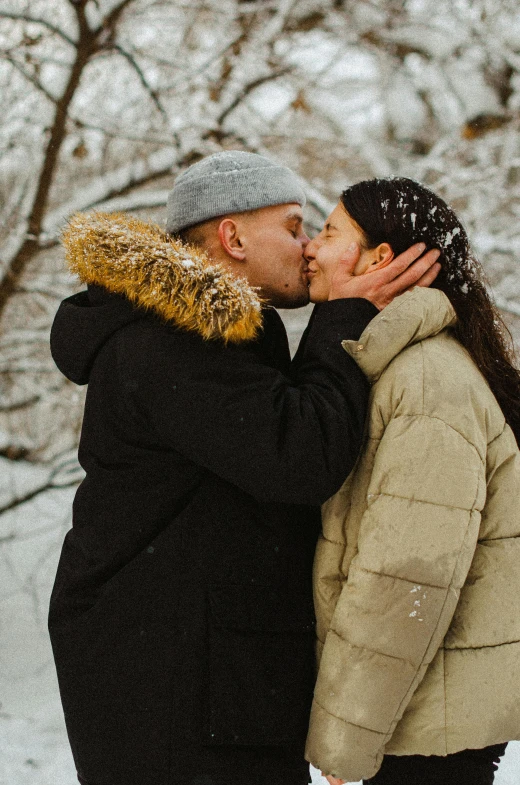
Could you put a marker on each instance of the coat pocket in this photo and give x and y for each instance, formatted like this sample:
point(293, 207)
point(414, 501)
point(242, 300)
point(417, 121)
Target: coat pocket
point(261, 666)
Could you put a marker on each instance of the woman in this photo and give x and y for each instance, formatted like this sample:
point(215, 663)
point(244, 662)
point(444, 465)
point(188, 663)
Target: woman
point(417, 573)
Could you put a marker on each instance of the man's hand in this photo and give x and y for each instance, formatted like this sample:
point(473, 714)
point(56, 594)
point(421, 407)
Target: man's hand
point(407, 270)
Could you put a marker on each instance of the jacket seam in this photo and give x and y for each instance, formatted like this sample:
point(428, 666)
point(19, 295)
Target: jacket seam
point(494, 439)
point(372, 651)
point(439, 419)
point(423, 375)
point(479, 483)
point(477, 648)
point(333, 542)
point(498, 539)
point(434, 504)
point(348, 722)
point(398, 578)
point(445, 700)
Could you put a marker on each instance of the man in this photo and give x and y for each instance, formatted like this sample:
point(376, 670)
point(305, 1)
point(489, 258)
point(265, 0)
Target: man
point(181, 617)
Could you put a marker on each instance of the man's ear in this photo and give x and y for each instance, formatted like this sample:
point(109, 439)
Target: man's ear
point(229, 236)
point(383, 255)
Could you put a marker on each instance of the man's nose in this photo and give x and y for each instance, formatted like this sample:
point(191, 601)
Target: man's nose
point(309, 249)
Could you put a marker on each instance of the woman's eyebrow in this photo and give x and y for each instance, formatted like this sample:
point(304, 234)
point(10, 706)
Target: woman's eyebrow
point(329, 227)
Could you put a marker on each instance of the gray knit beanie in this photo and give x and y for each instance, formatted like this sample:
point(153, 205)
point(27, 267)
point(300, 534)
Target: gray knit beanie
point(229, 182)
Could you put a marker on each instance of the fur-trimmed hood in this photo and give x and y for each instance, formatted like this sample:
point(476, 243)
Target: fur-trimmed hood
point(129, 257)
point(133, 269)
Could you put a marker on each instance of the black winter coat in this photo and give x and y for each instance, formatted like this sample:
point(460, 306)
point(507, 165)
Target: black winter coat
point(181, 617)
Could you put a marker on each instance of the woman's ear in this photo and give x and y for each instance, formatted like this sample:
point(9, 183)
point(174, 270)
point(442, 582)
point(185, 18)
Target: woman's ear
point(382, 255)
point(229, 236)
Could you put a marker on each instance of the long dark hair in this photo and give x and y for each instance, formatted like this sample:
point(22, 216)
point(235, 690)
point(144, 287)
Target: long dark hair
point(402, 212)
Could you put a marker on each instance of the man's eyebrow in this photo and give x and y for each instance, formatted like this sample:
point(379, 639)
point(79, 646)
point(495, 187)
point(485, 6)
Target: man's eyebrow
point(294, 217)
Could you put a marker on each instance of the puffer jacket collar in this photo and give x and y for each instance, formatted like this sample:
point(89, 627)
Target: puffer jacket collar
point(408, 319)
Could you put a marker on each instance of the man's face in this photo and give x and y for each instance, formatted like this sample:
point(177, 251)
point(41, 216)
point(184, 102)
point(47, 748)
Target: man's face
point(273, 240)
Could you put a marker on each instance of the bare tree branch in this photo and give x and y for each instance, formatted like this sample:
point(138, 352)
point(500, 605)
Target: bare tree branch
point(17, 405)
point(28, 367)
point(118, 133)
point(144, 81)
point(30, 535)
point(114, 184)
point(134, 201)
point(248, 88)
point(110, 21)
point(30, 78)
point(38, 21)
point(27, 497)
point(29, 245)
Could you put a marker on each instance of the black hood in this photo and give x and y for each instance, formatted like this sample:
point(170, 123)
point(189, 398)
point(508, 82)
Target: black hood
point(83, 323)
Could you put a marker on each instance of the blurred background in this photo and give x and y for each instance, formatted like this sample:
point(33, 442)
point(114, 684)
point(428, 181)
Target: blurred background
point(103, 103)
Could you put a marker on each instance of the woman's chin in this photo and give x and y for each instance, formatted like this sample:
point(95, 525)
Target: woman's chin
point(316, 295)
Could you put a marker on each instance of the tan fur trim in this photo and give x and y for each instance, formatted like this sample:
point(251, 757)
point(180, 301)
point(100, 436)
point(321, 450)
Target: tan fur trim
point(180, 283)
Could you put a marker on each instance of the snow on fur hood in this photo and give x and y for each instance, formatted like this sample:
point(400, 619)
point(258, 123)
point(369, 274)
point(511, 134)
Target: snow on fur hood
point(136, 259)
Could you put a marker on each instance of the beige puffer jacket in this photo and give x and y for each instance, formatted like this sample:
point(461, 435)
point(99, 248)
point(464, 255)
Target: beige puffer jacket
point(417, 574)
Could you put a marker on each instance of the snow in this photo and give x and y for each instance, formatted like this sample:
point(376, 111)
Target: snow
point(402, 91)
point(37, 753)
point(17, 480)
point(119, 179)
point(272, 100)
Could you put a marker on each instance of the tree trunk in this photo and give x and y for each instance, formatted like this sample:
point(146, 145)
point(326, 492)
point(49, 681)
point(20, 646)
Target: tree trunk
point(30, 245)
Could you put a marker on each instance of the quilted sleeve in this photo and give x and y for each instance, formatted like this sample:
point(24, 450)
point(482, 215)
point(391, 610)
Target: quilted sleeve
point(416, 543)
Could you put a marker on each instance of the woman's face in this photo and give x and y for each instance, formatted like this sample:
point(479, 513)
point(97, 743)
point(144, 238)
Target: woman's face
point(325, 251)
